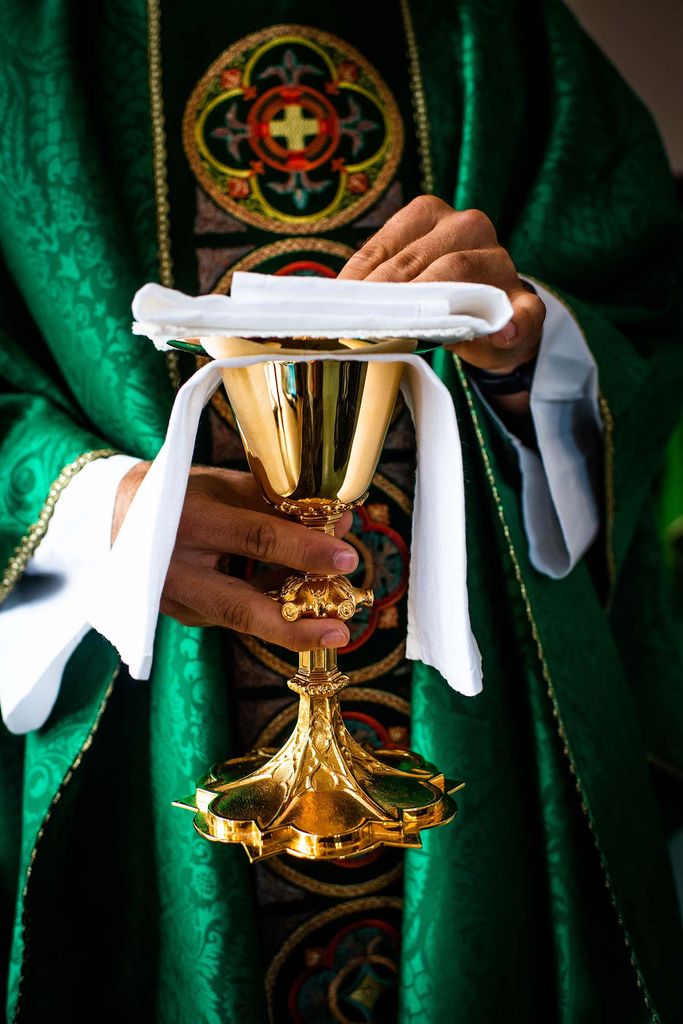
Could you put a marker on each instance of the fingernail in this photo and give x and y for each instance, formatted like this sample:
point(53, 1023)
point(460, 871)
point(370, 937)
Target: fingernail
point(345, 561)
point(510, 331)
point(334, 638)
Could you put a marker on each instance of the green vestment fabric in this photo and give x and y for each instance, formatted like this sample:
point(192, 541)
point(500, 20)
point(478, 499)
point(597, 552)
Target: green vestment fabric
point(551, 897)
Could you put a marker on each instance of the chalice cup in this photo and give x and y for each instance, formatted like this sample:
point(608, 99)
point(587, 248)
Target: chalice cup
point(313, 431)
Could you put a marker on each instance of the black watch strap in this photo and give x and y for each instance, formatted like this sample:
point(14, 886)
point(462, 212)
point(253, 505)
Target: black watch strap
point(490, 383)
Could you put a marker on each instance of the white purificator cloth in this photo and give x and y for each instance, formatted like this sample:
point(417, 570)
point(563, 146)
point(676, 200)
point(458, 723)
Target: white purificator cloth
point(118, 590)
point(560, 510)
point(281, 307)
point(124, 605)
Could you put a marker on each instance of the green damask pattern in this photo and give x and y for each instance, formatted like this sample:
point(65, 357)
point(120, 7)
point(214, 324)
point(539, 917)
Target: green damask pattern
point(511, 902)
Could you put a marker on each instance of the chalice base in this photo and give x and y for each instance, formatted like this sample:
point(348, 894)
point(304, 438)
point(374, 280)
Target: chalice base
point(321, 796)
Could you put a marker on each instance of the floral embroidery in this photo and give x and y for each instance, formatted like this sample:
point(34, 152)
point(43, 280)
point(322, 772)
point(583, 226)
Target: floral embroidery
point(291, 130)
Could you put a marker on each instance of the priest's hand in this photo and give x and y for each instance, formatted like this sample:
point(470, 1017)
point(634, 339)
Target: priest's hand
point(428, 240)
point(225, 515)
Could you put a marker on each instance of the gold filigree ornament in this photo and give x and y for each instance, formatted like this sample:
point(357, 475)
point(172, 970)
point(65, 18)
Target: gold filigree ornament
point(332, 596)
point(313, 431)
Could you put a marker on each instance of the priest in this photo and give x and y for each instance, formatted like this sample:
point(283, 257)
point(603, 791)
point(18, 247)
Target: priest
point(489, 143)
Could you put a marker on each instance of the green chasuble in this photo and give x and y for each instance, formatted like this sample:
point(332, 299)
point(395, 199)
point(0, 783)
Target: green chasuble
point(550, 898)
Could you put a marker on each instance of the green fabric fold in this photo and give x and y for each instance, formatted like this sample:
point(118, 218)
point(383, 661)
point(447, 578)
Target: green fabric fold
point(507, 915)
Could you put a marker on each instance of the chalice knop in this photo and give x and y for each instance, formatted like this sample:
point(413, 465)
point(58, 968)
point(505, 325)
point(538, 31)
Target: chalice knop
point(313, 431)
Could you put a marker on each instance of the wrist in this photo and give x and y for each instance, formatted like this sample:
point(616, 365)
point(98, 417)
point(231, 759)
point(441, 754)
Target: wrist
point(509, 394)
point(517, 404)
point(126, 491)
point(495, 384)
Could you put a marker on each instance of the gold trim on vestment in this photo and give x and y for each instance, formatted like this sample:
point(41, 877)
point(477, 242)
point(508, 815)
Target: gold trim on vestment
point(608, 426)
point(156, 97)
point(550, 690)
point(35, 533)
point(419, 99)
point(161, 196)
point(336, 890)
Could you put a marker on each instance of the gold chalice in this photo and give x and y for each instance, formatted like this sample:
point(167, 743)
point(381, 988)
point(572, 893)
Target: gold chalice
point(313, 431)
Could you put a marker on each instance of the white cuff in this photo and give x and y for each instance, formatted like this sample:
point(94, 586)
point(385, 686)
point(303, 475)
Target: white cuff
point(559, 505)
point(41, 623)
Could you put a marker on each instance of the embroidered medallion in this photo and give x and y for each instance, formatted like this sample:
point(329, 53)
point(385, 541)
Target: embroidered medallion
point(341, 967)
point(292, 130)
point(297, 257)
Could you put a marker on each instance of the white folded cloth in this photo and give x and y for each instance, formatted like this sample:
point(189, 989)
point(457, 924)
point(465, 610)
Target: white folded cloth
point(263, 305)
point(124, 604)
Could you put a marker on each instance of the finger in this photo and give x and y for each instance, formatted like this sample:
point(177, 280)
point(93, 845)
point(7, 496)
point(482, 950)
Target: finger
point(180, 612)
point(269, 580)
point(272, 579)
point(214, 527)
point(516, 344)
point(469, 230)
point(232, 487)
point(342, 527)
point(411, 222)
point(201, 597)
point(238, 488)
point(483, 266)
point(407, 229)
point(528, 315)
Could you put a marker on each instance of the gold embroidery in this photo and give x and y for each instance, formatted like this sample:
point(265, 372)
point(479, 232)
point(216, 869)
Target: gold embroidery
point(550, 690)
point(35, 533)
point(393, 492)
point(279, 142)
point(337, 890)
point(419, 99)
point(161, 198)
point(159, 142)
point(360, 675)
point(308, 927)
point(75, 764)
point(284, 245)
point(383, 697)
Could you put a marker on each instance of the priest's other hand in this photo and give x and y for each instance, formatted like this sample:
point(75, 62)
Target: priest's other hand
point(224, 514)
point(428, 240)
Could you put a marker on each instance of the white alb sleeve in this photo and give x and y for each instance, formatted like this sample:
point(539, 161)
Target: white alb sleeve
point(41, 622)
point(559, 482)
